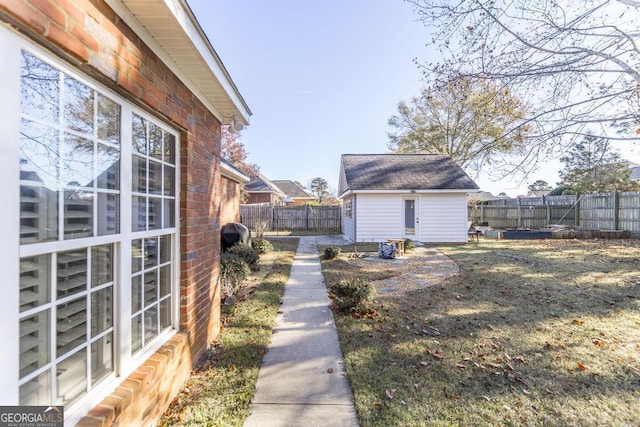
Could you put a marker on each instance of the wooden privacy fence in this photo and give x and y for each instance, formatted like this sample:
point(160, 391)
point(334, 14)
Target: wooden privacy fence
point(307, 218)
point(607, 211)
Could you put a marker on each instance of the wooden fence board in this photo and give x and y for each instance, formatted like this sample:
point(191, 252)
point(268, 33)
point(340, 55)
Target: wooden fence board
point(308, 218)
point(606, 211)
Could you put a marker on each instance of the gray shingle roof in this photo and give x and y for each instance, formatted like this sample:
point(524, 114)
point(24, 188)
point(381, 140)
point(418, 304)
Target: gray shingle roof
point(403, 172)
point(261, 184)
point(292, 189)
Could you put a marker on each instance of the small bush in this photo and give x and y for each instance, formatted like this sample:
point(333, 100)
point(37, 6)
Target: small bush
point(409, 245)
point(246, 253)
point(332, 252)
point(262, 246)
point(353, 296)
point(233, 272)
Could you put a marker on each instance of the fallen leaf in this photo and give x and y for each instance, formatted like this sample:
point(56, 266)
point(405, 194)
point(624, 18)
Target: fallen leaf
point(578, 322)
point(461, 366)
point(330, 370)
point(581, 366)
point(390, 393)
point(423, 363)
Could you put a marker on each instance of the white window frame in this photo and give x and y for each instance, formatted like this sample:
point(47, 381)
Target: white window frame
point(11, 45)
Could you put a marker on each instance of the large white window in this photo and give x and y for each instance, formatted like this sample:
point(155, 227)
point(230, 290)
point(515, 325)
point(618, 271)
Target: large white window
point(98, 238)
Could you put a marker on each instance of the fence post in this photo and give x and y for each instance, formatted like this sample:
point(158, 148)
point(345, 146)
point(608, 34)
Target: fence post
point(519, 224)
point(616, 210)
point(576, 212)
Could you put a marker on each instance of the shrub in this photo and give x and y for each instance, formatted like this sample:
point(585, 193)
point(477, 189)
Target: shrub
point(331, 252)
point(409, 245)
point(233, 272)
point(353, 296)
point(262, 246)
point(246, 253)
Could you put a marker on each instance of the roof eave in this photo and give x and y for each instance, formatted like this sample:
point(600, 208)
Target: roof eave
point(172, 32)
point(232, 173)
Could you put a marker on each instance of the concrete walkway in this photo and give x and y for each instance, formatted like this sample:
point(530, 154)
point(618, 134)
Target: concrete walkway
point(302, 380)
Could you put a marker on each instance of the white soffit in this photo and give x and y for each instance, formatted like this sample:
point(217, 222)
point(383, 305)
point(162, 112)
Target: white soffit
point(170, 29)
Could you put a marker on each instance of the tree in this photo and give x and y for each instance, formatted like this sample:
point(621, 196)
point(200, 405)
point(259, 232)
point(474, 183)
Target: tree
point(232, 150)
point(464, 119)
point(591, 166)
point(320, 188)
point(578, 60)
point(539, 185)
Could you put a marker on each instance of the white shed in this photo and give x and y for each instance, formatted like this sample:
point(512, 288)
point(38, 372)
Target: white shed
point(421, 197)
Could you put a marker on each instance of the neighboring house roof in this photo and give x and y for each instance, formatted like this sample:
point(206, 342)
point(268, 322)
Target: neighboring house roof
point(480, 196)
point(292, 189)
point(536, 193)
point(231, 172)
point(171, 30)
point(389, 172)
point(635, 173)
point(261, 184)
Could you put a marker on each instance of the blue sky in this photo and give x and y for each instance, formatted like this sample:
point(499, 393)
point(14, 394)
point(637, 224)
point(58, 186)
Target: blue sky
point(322, 78)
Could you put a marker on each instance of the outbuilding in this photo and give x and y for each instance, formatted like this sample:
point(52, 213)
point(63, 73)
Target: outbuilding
point(422, 197)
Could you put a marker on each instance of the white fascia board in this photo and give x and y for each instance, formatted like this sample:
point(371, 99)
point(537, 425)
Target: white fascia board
point(215, 66)
point(232, 173)
point(408, 191)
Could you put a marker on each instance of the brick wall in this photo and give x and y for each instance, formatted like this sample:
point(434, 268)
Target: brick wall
point(89, 36)
point(229, 201)
point(260, 198)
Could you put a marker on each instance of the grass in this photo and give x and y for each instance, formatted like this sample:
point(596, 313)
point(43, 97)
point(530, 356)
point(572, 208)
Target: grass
point(532, 333)
point(220, 388)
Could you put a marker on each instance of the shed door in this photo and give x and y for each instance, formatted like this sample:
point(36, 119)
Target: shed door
point(410, 220)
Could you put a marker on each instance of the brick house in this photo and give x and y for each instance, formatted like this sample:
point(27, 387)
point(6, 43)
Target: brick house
point(261, 190)
point(298, 195)
point(113, 194)
point(232, 179)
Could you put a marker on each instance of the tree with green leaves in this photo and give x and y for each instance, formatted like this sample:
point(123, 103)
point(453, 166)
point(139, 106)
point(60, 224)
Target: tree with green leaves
point(319, 188)
point(539, 185)
point(466, 119)
point(592, 166)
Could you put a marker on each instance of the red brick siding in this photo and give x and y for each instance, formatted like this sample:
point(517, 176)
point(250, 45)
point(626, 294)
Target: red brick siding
point(229, 201)
point(261, 198)
point(91, 37)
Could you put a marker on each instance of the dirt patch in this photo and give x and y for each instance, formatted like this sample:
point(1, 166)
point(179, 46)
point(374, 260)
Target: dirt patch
point(421, 268)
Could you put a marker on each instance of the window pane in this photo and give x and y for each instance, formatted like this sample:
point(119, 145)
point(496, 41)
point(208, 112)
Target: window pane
point(136, 333)
point(169, 181)
point(165, 313)
point(40, 88)
point(71, 325)
point(139, 213)
point(39, 154)
point(155, 177)
point(101, 265)
point(136, 255)
point(165, 249)
point(150, 323)
point(151, 252)
point(108, 214)
point(36, 391)
point(34, 342)
point(72, 272)
point(139, 175)
point(136, 294)
point(77, 161)
point(155, 213)
point(108, 120)
point(165, 281)
point(169, 148)
point(38, 214)
point(101, 310)
point(155, 141)
point(78, 106)
point(78, 214)
point(169, 213)
point(35, 281)
point(139, 134)
point(72, 377)
point(108, 167)
point(150, 287)
point(101, 358)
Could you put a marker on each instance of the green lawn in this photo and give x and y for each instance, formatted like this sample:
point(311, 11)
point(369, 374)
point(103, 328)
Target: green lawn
point(538, 333)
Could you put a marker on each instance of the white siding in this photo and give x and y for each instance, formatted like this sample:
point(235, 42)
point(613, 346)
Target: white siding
point(443, 217)
point(348, 223)
point(378, 217)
